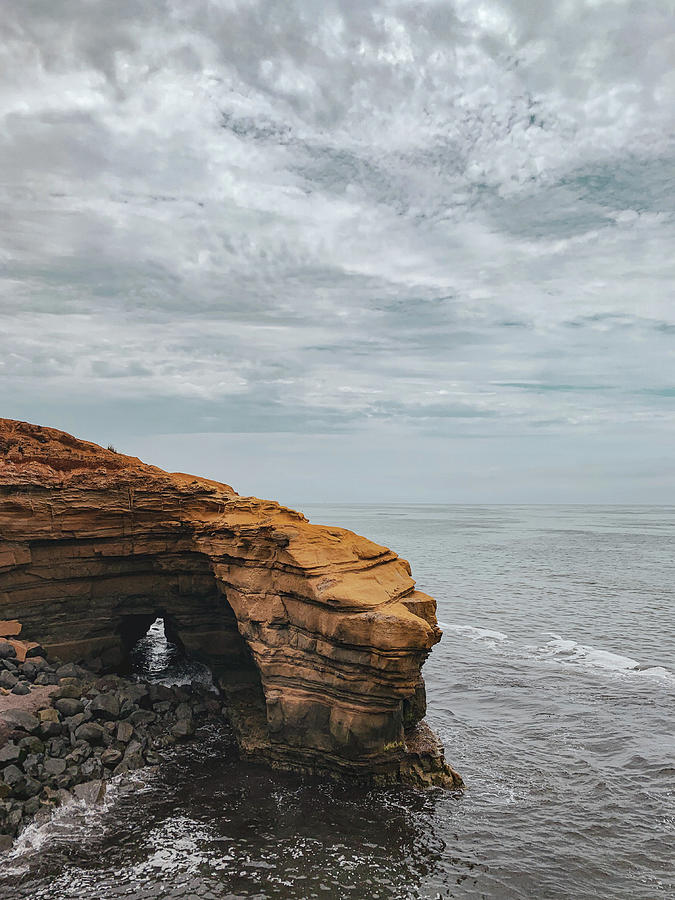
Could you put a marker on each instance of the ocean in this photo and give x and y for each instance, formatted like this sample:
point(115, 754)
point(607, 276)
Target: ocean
point(552, 689)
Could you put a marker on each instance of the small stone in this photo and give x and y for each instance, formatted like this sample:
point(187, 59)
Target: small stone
point(58, 747)
point(48, 715)
point(142, 717)
point(31, 806)
point(5, 790)
point(92, 768)
point(50, 729)
point(21, 689)
point(10, 753)
point(183, 729)
point(32, 787)
point(134, 761)
point(111, 757)
point(54, 767)
point(6, 842)
point(12, 775)
point(124, 732)
point(41, 664)
point(8, 679)
point(32, 765)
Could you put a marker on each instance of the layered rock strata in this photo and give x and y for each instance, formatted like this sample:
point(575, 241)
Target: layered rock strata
point(315, 635)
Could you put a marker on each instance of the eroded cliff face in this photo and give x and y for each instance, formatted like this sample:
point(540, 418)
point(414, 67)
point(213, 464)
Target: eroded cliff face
point(316, 635)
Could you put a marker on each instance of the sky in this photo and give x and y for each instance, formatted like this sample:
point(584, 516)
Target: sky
point(347, 250)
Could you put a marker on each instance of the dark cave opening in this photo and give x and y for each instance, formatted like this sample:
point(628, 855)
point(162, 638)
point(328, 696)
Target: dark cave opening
point(153, 651)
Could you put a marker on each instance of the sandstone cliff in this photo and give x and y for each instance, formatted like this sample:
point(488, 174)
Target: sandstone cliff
point(316, 635)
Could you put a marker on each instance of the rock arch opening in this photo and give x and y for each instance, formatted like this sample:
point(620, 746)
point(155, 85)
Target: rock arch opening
point(159, 654)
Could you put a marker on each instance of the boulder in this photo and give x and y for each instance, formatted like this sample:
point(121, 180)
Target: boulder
point(6, 650)
point(31, 744)
point(105, 706)
point(21, 688)
point(19, 718)
point(69, 706)
point(28, 670)
point(90, 732)
point(54, 766)
point(70, 670)
point(90, 792)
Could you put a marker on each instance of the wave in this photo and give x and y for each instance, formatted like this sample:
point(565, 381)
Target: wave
point(485, 635)
point(561, 650)
point(568, 651)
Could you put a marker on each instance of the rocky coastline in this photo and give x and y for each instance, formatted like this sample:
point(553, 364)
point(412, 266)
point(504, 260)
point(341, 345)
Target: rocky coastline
point(315, 635)
point(65, 731)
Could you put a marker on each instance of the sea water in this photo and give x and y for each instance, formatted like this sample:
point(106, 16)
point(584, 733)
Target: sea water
point(552, 689)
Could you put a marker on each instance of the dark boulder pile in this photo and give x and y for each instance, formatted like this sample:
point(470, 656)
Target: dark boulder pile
point(90, 729)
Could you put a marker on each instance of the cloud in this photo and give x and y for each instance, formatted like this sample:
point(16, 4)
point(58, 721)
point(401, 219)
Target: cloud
point(453, 219)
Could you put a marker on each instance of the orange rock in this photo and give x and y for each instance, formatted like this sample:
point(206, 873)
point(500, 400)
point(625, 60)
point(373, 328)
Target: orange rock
point(22, 648)
point(10, 628)
point(316, 635)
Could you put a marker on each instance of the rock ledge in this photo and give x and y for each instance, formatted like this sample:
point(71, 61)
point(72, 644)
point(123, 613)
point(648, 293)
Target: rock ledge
point(315, 635)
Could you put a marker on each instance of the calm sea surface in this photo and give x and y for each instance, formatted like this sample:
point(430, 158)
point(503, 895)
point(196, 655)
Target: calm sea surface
point(553, 690)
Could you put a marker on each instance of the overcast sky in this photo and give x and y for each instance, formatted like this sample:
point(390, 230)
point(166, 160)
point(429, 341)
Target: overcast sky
point(346, 250)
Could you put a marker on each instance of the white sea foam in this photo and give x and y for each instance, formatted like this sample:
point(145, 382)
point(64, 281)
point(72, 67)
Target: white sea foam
point(561, 650)
point(69, 822)
point(569, 651)
point(484, 635)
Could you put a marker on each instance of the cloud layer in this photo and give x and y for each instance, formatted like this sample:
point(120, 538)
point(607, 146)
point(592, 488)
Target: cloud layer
point(435, 223)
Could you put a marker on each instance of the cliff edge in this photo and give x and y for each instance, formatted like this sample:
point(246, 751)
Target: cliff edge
point(315, 635)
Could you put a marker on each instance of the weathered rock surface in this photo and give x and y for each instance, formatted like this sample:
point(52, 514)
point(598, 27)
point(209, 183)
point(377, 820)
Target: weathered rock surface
point(316, 635)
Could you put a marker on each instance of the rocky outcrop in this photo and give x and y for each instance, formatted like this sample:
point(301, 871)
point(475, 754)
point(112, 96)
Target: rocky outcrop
point(73, 731)
point(315, 635)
